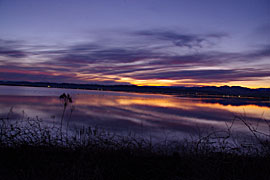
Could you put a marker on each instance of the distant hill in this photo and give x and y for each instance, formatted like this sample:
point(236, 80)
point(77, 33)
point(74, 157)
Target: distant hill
point(209, 91)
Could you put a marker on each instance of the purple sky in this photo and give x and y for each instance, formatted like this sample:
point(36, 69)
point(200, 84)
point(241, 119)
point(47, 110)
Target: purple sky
point(143, 42)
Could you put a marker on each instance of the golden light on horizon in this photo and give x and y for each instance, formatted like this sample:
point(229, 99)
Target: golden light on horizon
point(264, 83)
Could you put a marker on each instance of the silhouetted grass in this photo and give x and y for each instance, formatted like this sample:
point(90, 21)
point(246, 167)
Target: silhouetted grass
point(31, 149)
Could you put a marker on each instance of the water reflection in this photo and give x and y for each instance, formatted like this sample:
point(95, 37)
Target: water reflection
point(125, 112)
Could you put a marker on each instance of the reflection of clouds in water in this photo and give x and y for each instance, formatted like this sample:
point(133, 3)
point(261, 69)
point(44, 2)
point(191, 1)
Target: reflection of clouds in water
point(32, 106)
point(132, 112)
point(250, 110)
point(187, 104)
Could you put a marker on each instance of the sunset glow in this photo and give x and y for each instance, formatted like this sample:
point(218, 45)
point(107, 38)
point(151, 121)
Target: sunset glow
point(143, 43)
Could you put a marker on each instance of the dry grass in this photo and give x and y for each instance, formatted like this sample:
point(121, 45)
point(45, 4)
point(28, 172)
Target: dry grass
point(32, 149)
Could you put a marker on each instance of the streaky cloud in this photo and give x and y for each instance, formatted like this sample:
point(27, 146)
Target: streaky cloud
point(100, 62)
point(181, 39)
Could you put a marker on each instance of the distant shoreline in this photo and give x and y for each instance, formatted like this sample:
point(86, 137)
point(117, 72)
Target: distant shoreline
point(206, 91)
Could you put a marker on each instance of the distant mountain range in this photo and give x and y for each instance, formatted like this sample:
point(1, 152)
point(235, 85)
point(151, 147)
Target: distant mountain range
point(209, 91)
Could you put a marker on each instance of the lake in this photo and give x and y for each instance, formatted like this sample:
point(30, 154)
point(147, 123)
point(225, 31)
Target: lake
point(149, 115)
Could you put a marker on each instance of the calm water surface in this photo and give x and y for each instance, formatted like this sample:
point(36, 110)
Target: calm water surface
point(143, 114)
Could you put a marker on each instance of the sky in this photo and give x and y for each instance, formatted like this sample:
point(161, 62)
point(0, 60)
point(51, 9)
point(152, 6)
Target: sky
point(138, 42)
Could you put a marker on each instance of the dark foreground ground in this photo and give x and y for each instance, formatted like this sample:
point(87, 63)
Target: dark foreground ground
point(28, 162)
point(30, 150)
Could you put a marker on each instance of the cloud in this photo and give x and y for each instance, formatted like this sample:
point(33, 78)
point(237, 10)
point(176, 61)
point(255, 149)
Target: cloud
point(36, 76)
point(208, 76)
point(260, 53)
point(181, 39)
point(84, 54)
point(10, 49)
point(107, 63)
point(11, 53)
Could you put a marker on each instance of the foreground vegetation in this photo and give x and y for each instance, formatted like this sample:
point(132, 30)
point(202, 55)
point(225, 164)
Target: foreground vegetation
point(31, 149)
